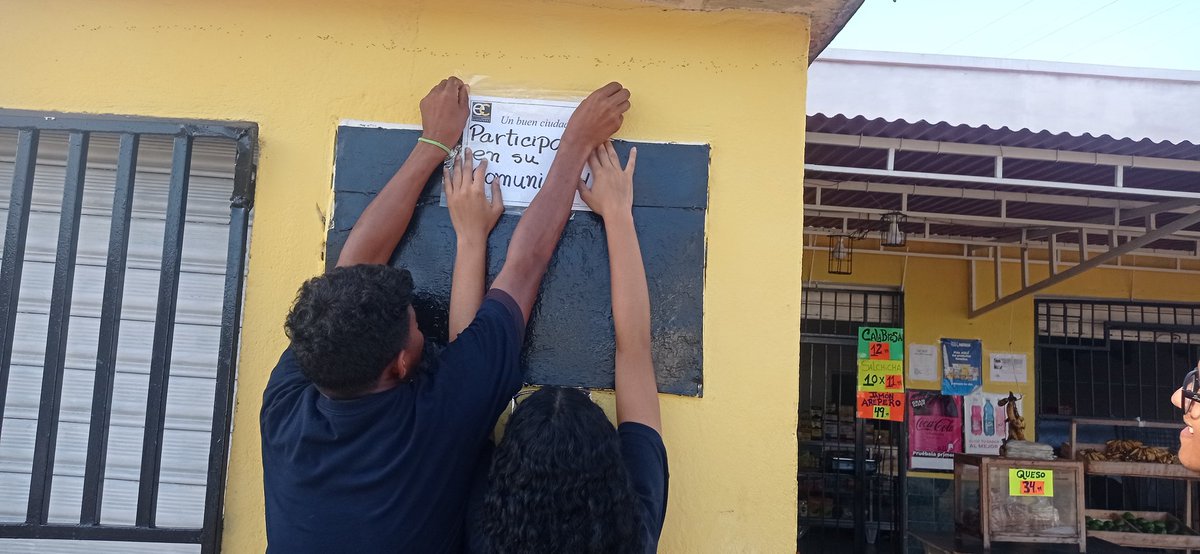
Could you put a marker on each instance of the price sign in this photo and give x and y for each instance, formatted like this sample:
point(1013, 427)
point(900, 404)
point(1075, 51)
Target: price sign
point(880, 343)
point(1030, 482)
point(881, 405)
point(881, 375)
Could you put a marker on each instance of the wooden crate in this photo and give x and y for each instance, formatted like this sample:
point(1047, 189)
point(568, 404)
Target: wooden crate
point(1190, 540)
point(984, 508)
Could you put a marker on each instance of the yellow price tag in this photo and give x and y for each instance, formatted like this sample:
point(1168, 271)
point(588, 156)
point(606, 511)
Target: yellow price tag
point(1031, 482)
point(880, 376)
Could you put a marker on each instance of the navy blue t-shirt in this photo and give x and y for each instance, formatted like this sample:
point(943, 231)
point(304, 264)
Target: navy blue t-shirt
point(645, 459)
point(391, 471)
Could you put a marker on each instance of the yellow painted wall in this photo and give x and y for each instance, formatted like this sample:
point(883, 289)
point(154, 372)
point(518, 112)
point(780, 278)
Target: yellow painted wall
point(936, 301)
point(733, 79)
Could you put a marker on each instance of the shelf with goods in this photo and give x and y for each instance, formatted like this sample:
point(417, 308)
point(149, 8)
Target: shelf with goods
point(1133, 459)
point(827, 467)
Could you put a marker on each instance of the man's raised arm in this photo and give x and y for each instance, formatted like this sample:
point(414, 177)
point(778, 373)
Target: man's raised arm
point(383, 223)
point(537, 234)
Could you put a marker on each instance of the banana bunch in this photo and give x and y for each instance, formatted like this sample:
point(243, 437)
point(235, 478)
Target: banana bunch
point(1151, 454)
point(1129, 451)
point(1121, 449)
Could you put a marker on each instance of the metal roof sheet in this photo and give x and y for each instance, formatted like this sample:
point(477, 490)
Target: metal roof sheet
point(1026, 138)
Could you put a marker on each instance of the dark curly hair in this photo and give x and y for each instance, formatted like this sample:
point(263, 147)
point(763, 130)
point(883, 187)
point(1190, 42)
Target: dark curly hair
point(558, 483)
point(348, 324)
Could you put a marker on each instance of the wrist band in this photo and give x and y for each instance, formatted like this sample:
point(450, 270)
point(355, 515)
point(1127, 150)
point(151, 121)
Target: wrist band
point(437, 144)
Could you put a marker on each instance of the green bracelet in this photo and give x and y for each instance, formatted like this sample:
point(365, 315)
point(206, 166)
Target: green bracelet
point(437, 144)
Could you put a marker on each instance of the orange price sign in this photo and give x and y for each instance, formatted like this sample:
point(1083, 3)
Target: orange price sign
point(881, 405)
point(879, 351)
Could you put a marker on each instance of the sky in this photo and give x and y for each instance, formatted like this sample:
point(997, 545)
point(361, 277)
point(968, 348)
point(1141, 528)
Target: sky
point(1162, 34)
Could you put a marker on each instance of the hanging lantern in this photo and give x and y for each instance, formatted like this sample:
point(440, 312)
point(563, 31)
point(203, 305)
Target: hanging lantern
point(841, 254)
point(891, 232)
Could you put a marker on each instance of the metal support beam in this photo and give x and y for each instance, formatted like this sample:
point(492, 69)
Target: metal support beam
point(1024, 266)
point(1119, 216)
point(1052, 256)
point(1083, 244)
point(1013, 223)
point(988, 150)
point(997, 264)
point(1149, 237)
point(1004, 181)
point(971, 283)
point(989, 194)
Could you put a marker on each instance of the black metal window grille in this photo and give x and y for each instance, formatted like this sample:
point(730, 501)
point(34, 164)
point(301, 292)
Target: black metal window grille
point(30, 128)
point(838, 494)
point(1118, 360)
point(1113, 359)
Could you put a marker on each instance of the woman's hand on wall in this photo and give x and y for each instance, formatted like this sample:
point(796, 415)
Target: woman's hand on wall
point(612, 187)
point(471, 213)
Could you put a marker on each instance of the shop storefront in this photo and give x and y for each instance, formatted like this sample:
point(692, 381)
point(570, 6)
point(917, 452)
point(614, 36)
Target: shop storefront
point(1044, 281)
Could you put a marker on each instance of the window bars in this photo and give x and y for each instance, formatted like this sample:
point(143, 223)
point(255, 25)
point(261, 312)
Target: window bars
point(29, 127)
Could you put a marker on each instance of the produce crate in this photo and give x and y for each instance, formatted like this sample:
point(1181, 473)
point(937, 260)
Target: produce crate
point(990, 505)
point(1127, 469)
point(1186, 539)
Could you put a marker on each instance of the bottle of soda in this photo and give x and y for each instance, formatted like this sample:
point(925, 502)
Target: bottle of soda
point(989, 418)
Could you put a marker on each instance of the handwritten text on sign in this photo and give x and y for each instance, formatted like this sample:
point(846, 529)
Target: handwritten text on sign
point(1030, 482)
point(880, 343)
point(881, 375)
point(881, 405)
point(519, 139)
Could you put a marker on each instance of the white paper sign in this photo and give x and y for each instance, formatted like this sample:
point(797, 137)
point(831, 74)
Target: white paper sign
point(1008, 368)
point(922, 362)
point(985, 422)
point(519, 138)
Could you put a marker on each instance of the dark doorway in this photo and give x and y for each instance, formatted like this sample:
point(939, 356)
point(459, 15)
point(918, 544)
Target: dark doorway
point(850, 471)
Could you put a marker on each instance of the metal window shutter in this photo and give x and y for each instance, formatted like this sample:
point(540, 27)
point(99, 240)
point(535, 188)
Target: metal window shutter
point(194, 359)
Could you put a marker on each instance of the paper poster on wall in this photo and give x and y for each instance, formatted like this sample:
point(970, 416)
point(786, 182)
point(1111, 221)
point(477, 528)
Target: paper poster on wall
point(922, 362)
point(519, 139)
point(986, 422)
point(1007, 368)
point(934, 430)
point(962, 366)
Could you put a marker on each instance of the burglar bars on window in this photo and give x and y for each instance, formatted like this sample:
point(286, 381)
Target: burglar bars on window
point(29, 126)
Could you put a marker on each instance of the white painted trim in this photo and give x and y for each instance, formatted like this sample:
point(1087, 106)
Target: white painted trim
point(844, 55)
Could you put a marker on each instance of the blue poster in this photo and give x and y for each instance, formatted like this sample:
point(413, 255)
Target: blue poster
point(962, 366)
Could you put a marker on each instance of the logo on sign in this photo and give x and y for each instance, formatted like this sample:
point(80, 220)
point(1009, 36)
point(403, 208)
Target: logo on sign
point(481, 112)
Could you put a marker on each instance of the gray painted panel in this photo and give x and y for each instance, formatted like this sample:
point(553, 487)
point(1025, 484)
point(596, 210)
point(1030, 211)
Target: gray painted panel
point(570, 338)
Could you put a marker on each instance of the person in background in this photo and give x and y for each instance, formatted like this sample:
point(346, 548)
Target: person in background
point(1188, 399)
point(562, 478)
point(367, 446)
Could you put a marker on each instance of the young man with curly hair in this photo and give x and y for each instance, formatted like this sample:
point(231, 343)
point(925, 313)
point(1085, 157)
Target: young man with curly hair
point(366, 446)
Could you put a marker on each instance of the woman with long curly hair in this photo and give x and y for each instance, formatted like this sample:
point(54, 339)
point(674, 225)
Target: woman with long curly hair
point(563, 479)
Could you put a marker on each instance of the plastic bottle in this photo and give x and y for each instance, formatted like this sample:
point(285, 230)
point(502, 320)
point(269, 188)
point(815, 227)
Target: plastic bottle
point(976, 420)
point(989, 418)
